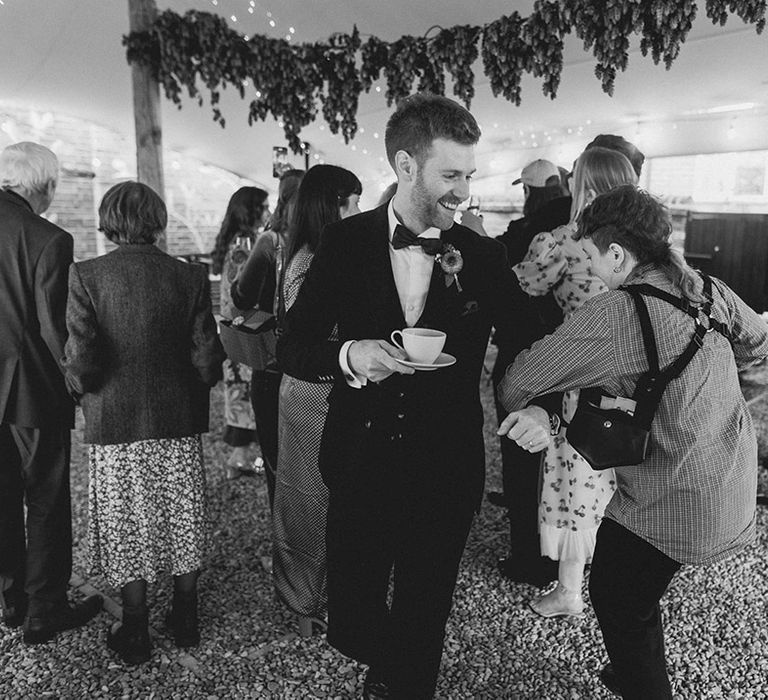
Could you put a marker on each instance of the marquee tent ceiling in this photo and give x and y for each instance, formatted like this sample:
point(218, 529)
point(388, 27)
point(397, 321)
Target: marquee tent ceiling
point(66, 56)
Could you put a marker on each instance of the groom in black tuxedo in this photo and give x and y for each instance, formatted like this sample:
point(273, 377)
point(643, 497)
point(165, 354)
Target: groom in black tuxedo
point(402, 452)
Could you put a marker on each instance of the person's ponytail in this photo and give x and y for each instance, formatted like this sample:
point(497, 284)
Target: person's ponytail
point(682, 275)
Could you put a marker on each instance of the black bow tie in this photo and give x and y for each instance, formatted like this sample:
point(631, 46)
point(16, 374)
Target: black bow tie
point(402, 238)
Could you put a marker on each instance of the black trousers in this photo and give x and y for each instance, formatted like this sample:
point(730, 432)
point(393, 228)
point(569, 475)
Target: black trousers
point(391, 519)
point(520, 479)
point(34, 465)
point(265, 396)
point(627, 580)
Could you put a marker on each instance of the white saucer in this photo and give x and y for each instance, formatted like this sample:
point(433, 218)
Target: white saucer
point(443, 360)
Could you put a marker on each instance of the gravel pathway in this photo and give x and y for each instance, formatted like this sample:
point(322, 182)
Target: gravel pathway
point(716, 619)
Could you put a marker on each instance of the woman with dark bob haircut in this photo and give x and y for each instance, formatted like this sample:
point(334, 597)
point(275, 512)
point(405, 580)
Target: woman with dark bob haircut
point(692, 499)
point(131, 213)
point(141, 356)
point(326, 194)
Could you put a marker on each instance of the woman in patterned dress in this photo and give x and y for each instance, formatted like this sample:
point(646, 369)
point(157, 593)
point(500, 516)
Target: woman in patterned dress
point(573, 495)
point(247, 211)
point(141, 356)
point(326, 194)
point(256, 286)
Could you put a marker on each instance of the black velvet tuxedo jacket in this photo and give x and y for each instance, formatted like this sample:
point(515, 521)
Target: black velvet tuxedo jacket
point(432, 420)
point(34, 261)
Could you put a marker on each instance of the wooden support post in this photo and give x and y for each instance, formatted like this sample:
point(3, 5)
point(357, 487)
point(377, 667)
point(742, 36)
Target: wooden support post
point(146, 108)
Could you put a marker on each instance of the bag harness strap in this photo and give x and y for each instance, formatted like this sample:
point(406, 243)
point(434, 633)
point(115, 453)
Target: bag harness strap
point(683, 305)
point(651, 385)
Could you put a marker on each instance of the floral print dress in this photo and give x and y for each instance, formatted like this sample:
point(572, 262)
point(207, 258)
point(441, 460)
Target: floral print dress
point(238, 412)
point(573, 495)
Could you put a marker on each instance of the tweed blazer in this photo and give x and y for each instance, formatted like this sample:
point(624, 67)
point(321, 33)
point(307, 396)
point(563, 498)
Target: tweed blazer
point(34, 258)
point(143, 348)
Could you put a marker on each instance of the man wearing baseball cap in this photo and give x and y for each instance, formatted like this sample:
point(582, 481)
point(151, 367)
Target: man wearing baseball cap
point(539, 173)
point(520, 475)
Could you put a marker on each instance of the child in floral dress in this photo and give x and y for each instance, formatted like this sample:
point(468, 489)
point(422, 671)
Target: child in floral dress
point(573, 495)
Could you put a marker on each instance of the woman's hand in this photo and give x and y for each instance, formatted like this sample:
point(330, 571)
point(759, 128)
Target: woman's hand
point(473, 221)
point(529, 428)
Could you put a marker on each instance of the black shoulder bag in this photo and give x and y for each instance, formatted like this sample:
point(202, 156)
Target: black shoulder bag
point(251, 337)
point(611, 437)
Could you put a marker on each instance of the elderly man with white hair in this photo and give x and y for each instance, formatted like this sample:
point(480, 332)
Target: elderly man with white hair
point(36, 412)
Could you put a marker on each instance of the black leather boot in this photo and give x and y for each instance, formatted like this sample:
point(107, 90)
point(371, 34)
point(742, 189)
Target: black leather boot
point(130, 640)
point(182, 621)
point(13, 601)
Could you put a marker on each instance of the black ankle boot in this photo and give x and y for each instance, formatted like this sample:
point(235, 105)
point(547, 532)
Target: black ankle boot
point(181, 620)
point(131, 639)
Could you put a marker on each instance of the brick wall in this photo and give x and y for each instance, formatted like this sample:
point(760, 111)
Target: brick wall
point(93, 158)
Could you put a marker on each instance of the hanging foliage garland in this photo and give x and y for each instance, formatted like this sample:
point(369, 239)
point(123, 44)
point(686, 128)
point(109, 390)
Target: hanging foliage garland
point(751, 11)
point(374, 55)
point(339, 70)
point(544, 32)
point(407, 61)
point(289, 81)
point(274, 65)
point(658, 14)
point(455, 50)
point(606, 28)
point(505, 55)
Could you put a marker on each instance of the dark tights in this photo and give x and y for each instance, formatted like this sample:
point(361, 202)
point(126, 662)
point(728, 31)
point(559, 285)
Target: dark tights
point(134, 594)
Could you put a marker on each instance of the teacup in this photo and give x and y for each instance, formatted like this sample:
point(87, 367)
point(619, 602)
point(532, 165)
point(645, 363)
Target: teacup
point(422, 345)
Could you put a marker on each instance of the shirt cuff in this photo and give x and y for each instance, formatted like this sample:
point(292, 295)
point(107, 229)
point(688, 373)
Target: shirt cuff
point(351, 378)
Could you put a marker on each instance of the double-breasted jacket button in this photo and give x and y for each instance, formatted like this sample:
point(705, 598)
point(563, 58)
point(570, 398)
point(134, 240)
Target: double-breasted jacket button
point(401, 416)
point(367, 424)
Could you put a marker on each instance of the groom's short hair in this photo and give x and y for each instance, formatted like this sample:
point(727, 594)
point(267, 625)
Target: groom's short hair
point(421, 118)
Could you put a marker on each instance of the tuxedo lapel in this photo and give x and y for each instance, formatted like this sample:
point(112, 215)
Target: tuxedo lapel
point(385, 302)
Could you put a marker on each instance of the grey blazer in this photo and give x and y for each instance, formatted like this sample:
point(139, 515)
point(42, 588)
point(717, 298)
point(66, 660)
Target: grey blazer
point(143, 348)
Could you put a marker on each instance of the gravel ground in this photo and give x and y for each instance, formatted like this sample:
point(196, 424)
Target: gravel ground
point(715, 618)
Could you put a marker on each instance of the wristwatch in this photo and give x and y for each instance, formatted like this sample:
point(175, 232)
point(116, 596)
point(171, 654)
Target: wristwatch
point(554, 423)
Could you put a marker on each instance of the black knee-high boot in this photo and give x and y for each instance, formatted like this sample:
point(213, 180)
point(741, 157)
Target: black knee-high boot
point(182, 620)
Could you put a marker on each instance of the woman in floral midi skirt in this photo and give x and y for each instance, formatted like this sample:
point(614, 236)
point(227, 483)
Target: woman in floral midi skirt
point(141, 357)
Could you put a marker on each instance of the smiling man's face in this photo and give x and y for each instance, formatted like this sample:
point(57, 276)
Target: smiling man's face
point(442, 183)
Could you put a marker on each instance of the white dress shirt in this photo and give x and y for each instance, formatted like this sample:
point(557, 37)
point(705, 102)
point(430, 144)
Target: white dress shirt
point(412, 270)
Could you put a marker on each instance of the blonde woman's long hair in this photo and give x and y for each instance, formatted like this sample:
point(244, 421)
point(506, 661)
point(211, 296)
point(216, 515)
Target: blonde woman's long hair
point(598, 170)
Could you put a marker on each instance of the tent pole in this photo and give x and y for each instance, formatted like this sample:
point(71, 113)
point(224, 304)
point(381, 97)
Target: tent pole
point(146, 108)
